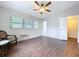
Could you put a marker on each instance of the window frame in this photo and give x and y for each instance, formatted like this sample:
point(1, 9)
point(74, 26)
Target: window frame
point(23, 23)
point(15, 23)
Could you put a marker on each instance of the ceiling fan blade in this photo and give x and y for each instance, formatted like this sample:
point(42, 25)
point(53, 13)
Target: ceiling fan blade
point(37, 3)
point(35, 9)
point(48, 10)
point(48, 4)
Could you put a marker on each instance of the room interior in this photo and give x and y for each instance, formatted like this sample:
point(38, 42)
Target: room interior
point(33, 30)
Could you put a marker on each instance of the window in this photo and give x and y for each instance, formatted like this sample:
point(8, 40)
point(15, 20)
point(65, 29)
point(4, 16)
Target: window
point(44, 27)
point(16, 22)
point(35, 24)
point(28, 24)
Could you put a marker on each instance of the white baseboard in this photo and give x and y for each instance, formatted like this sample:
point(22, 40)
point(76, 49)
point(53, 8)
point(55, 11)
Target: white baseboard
point(42, 35)
point(52, 36)
point(27, 38)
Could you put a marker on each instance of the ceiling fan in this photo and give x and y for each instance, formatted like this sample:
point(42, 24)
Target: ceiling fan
point(42, 7)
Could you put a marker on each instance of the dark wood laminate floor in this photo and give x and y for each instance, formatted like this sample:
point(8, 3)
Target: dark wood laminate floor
point(42, 47)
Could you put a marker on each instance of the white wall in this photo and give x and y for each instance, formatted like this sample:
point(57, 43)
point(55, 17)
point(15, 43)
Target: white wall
point(62, 28)
point(52, 26)
point(5, 15)
point(54, 29)
point(44, 27)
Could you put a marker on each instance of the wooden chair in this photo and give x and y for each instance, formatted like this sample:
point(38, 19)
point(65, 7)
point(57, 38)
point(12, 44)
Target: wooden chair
point(3, 42)
point(5, 36)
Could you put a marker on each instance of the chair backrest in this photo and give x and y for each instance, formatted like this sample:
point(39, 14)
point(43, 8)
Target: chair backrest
point(3, 35)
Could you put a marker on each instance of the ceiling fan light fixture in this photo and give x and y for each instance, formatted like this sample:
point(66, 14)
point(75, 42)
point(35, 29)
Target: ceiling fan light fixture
point(46, 8)
point(42, 9)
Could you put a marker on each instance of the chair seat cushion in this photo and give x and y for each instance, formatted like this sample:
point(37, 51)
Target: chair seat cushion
point(10, 39)
point(3, 42)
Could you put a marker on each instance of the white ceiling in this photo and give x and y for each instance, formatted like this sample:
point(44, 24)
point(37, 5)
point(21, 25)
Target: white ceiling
point(57, 7)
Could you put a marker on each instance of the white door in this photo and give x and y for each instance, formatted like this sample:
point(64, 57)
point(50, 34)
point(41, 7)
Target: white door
point(63, 28)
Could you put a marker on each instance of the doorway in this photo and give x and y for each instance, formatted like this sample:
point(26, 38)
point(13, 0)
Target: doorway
point(72, 36)
point(72, 27)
